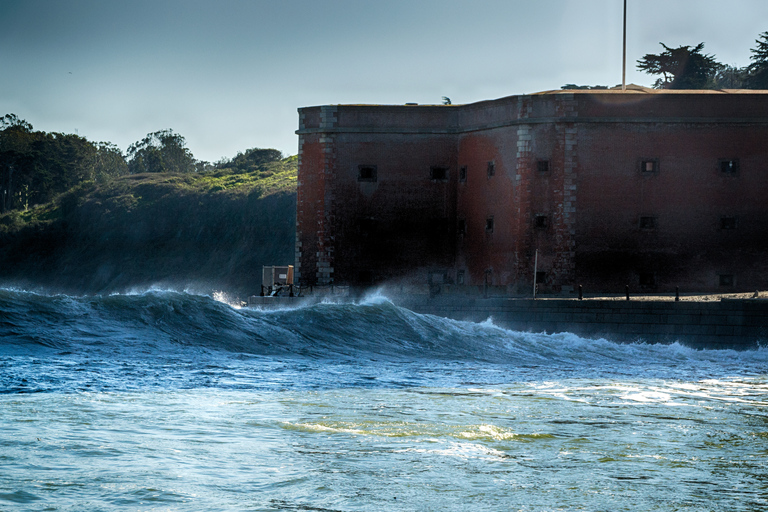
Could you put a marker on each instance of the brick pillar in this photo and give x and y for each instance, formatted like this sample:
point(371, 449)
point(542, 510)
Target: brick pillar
point(316, 204)
point(297, 258)
point(565, 215)
point(523, 175)
point(523, 200)
point(325, 229)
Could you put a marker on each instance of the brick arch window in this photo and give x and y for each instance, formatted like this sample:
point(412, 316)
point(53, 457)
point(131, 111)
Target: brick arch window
point(728, 166)
point(648, 223)
point(649, 166)
point(438, 173)
point(367, 173)
point(728, 222)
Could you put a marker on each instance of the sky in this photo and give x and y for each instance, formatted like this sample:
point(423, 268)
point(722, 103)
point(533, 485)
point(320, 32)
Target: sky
point(228, 75)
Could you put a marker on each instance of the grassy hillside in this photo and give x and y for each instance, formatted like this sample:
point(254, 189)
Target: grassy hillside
point(202, 231)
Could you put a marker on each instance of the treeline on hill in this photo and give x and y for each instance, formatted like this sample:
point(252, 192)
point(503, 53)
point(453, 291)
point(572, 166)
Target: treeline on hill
point(80, 217)
point(686, 67)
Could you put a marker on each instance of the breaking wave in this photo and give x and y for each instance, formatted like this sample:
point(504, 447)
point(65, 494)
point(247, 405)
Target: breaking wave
point(168, 321)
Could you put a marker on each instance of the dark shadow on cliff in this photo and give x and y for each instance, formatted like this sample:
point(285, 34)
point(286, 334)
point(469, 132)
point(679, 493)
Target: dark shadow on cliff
point(198, 232)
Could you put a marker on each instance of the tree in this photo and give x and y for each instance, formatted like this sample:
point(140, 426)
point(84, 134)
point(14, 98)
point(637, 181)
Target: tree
point(61, 161)
point(16, 138)
point(12, 121)
point(568, 87)
point(203, 166)
point(730, 77)
point(681, 68)
point(108, 162)
point(163, 151)
point(251, 159)
point(35, 166)
point(758, 69)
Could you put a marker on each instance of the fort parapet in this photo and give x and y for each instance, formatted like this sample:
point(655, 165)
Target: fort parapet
point(651, 189)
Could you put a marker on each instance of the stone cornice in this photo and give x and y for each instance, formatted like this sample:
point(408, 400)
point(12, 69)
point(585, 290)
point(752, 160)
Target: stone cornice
point(540, 120)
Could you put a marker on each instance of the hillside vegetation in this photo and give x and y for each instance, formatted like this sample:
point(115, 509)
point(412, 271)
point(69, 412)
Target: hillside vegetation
point(204, 230)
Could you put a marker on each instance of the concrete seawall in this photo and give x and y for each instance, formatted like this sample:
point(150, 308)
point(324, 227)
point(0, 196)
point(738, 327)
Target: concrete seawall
point(727, 323)
point(738, 324)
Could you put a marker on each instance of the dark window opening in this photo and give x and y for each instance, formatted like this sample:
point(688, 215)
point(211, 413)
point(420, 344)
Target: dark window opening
point(647, 279)
point(726, 279)
point(541, 277)
point(648, 223)
point(461, 226)
point(460, 277)
point(368, 226)
point(366, 173)
point(727, 222)
point(729, 166)
point(438, 173)
point(491, 169)
point(463, 174)
point(541, 221)
point(542, 165)
point(489, 225)
point(650, 166)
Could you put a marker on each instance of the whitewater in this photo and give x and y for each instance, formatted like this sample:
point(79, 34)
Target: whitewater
point(165, 400)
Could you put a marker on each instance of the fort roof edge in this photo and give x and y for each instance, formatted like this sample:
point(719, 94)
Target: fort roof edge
point(631, 90)
point(636, 105)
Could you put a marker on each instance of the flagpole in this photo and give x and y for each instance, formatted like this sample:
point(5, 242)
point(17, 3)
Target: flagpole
point(624, 52)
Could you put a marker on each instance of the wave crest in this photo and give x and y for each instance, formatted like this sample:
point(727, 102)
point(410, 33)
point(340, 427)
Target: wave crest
point(168, 321)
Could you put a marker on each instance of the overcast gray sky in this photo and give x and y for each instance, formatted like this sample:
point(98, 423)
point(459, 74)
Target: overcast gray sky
point(229, 75)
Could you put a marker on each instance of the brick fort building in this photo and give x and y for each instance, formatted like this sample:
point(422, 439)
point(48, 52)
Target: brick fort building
point(601, 188)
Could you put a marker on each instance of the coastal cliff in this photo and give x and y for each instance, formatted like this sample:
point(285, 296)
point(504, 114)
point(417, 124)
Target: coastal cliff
point(198, 231)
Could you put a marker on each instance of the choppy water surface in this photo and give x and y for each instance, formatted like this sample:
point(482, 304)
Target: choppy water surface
point(170, 401)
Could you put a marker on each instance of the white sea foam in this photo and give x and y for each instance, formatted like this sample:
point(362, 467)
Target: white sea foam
point(225, 298)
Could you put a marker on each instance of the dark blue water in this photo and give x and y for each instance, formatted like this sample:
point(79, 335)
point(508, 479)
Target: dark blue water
point(172, 401)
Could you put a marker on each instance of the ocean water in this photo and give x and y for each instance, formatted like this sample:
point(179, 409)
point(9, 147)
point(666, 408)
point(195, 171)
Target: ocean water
point(173, 401)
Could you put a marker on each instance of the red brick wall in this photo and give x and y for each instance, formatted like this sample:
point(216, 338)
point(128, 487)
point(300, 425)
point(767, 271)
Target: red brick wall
point(315, 199)
point(593, 194)
point(517, 195)
point(483, 253)
point(401, 226)
point(687, 196)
